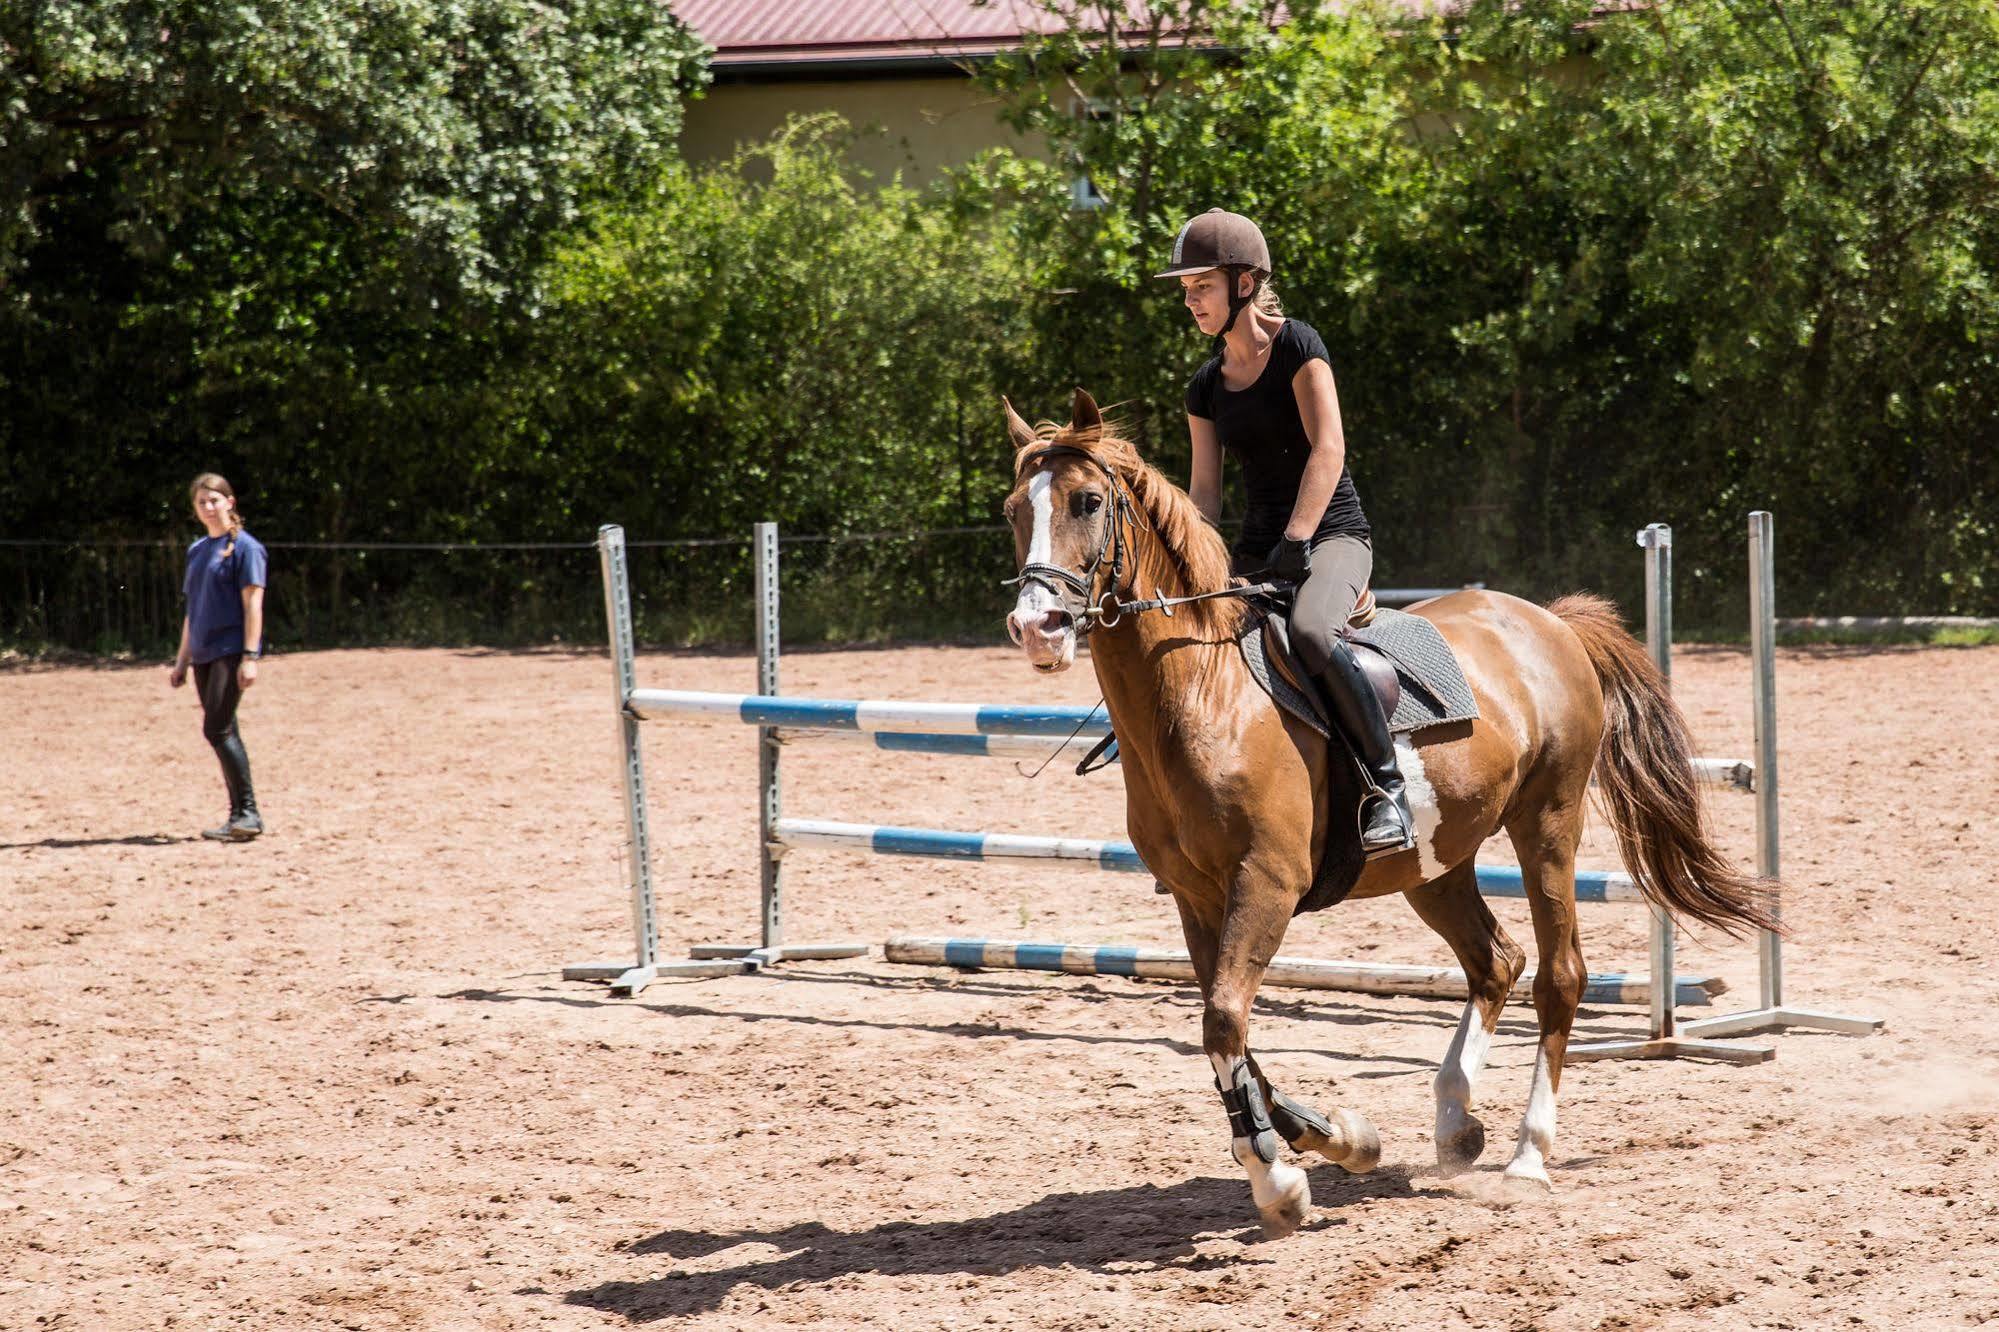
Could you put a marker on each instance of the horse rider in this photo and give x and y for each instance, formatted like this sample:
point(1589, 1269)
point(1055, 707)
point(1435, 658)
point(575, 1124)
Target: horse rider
point(1267, 397)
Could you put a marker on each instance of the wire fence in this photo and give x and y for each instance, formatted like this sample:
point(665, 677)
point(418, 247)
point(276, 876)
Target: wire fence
point(124, 597)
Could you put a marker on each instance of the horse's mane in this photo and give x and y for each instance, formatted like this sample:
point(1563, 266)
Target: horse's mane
point(1174, 548)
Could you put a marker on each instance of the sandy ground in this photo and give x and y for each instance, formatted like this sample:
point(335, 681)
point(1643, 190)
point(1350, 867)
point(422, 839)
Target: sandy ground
point(334, 1079)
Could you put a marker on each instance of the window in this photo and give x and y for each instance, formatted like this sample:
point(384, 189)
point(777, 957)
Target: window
point(1084, 196)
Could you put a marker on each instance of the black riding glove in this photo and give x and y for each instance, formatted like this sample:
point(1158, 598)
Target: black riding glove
point(1289, 560)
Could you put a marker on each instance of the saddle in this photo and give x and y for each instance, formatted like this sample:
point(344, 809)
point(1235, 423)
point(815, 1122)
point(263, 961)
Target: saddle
point(1375, 664)
point(1413, 672)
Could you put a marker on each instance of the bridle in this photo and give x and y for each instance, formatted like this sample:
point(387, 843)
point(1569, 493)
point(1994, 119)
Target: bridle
point(1080, 594)
point(1082, 598)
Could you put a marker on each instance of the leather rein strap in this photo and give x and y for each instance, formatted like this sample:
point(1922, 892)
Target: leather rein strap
point(1079, 593)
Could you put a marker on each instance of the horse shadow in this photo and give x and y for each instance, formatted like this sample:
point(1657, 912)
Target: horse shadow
point(1142, 1228)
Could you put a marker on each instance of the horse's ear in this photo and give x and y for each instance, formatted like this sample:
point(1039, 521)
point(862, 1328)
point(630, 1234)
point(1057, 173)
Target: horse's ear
point(1084, 418)
point(1018, 430)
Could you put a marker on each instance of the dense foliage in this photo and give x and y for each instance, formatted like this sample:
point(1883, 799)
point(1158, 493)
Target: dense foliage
point(288, 238)
point(434, 271)
point(1580, 272)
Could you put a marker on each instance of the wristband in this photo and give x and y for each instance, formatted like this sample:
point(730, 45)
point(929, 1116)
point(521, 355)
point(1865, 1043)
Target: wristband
point(253, 654)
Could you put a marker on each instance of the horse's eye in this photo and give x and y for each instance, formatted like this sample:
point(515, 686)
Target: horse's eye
point(1085, 502)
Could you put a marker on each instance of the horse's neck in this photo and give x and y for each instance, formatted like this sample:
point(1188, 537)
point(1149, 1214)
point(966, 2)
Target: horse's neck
point(1162, 676)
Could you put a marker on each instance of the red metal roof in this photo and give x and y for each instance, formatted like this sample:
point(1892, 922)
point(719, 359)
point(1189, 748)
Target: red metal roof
point(747, 32)
point(833, 32)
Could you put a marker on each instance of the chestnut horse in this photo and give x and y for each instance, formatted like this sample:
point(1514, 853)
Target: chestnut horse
point(1225, 793)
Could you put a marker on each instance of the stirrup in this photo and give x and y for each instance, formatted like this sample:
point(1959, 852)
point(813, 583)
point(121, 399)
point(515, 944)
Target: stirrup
point(1407, 841)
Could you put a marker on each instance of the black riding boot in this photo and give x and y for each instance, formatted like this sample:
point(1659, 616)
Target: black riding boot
point(244, 822)
point(1386, 825)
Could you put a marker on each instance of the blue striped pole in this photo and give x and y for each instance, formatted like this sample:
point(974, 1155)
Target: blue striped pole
point(984, 746)
point(831, 714)
point(1294, 972)
point(952, 728)
point(941, 844)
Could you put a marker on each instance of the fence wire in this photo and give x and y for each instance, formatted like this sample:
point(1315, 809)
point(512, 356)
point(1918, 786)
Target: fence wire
point(119, 597)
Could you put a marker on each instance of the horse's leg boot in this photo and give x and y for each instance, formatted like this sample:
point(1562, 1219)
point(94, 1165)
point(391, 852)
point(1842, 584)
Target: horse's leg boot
point(1386, 825)
point(1351, 1143)
point(1249, 1117)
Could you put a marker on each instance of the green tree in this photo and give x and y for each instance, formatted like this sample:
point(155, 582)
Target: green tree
point(1578, 270)
point(1736, 254)
point(810, 349)
point(291, 238)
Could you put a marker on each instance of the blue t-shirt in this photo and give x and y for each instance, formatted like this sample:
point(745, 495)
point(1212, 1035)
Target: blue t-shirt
point(214, 590)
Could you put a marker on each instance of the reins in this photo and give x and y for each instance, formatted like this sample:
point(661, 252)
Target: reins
point(1079, 593)
point(1168, 603)
point(1085, 601)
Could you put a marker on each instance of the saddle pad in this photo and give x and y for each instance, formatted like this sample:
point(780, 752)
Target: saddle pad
point(1433, 687)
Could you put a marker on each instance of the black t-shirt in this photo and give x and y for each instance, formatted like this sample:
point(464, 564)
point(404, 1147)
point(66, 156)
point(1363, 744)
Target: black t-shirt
point(1261, 426)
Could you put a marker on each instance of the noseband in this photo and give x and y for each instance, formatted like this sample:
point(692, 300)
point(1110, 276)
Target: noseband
point(1079, 594)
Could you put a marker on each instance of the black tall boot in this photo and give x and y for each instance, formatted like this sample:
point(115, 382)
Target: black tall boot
point(244, 822)
point(1386, 825)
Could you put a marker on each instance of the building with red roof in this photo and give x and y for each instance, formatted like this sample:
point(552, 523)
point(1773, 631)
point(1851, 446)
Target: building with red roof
point(897, 70)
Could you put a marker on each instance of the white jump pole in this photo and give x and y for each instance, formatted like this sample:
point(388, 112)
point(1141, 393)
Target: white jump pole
point(631, 977)
point(769, 807)
point(770, 749)
point(1663, 1040)
point(1773, 1015)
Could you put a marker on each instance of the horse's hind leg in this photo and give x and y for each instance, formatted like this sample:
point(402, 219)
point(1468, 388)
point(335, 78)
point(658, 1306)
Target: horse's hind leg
point(1451, 906)
point(1546, 843)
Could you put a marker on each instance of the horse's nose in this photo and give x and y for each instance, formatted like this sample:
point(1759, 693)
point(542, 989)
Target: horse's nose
point(1049, 624)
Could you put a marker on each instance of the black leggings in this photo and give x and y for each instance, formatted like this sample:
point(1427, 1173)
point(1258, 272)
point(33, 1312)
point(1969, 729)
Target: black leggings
point(216, 682)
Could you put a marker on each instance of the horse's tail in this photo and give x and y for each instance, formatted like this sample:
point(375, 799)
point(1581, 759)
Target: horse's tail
point(1647, 785)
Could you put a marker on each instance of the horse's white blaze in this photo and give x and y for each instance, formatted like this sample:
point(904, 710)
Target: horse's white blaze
point(1459, 1073)
point(1269, 1182)
point(1041, 495)
point(1035, 600)
point(1537, 1126)
point(1423, 806)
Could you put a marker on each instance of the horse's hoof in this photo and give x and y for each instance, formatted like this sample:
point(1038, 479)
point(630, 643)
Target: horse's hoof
point(1363, 1143)
point(1286, 1210)
point(1529, 1177)
point(1461, 1151)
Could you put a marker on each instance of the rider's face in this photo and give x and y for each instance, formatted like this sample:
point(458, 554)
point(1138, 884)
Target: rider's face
point(1207, 298)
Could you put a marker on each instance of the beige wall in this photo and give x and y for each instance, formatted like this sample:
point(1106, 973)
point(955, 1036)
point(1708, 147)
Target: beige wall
point(908, 125)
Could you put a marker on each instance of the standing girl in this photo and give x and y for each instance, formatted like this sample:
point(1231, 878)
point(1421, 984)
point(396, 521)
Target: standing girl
point(222, 637)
